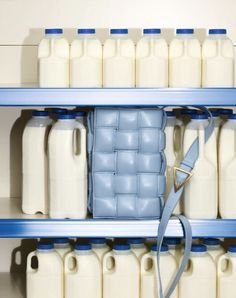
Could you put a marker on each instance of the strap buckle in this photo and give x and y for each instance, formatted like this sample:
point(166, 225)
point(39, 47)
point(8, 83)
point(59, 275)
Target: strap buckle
point(177, 185)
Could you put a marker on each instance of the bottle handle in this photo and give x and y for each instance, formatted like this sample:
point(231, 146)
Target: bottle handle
point(219, 264)
point(143, 261)
point(29, 259)
point(67, 260)
point(79, 146)
point(104, 263)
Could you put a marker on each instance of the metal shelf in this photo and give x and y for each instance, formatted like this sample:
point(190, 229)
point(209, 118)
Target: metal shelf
point(117, 97)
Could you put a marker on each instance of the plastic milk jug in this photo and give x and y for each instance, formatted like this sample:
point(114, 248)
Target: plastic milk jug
point(47, 280)
point(35, 159)
point(214, 249)
point(227, 168)
point(99, 247)
point(152, 60)
point(204, 182)
point(62, 246)
point(185, 60)
point(68, 169)
point(175, 247)
point(138, 247)
point(83, 273)
point(226, 273)
point(121, 273)
point(199, 278)
point(217, 60)
point(168, 264)
point(86, 60)
point(119, 60)
point(53, 59)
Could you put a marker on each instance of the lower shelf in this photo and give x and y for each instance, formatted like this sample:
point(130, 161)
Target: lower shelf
point(12, 285)
point(14, 224)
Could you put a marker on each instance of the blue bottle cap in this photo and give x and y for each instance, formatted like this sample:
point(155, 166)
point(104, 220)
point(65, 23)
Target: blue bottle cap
point(211, 241)
point(86, 31)
point(170, 114)
point(225, 111)
point(45, 246)
point(98, 241)
point(66, 116)
point(152, 31)
point(80, 246)
point(172, 241)
point(119, 31)
point(217, 31)
point(215, 113)
point(232, 116)
point(54, 31)
point(121, 247)
point(198, 248)
point(184, 31)
point(58, 111)
point(136, 241)
point(61, 241)
point(188, 111)
point(164, 247)
point(232, 248)
point(199, 116)
point(78, 113)
point(36, 113)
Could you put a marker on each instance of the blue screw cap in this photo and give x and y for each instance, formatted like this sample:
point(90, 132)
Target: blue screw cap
point(45, 246)
point(61, 241)
point(184, 31)
point(217, 31)
point(40, 113)
point(86, 31)
point(121, 247)
point(164, 247)
point(66, 116)
point(152, 31)
point(80, 246)
point(119, 31)
point(198, 248)
point(54, 31)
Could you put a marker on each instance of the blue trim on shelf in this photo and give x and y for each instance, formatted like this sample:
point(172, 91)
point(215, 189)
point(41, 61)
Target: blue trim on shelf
point(117, 97)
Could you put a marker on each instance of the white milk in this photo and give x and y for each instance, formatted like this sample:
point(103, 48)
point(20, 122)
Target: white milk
point(152, 60)
point(83, 273)
point(227, 168)
point(47, 280)
point(53, 58)
point(121, 273)
point(226, 273)
point(168, 265)
point(119, 60)
point(68, 169)
point(86, 60)
point(175, 247)
point(204, 182)
point(214, 249)
point(185, 60)
point(62, 246)
point(199, 277)
point(138, 247)
point(217, 60)
point(100, 247)
point(34, 163)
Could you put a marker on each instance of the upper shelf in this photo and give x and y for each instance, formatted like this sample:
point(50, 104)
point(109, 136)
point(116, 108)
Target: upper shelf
point(12, 96)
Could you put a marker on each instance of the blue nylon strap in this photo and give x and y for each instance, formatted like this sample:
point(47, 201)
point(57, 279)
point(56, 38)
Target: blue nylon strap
point(187, 164)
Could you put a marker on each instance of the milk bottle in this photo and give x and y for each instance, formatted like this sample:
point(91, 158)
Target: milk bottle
point(138, 247)
point(217, 60)
point(168, 264)
point(34, 159)
point(226, 271)
point(99, 247)
point(119, 60)
point(214, 249)
point(152, 60)
point(227, 168)
point(185, 60)
point(204, 180)
point(53, 58)
point(199, 278)
point(86, 60)
point(83, 273)
point(47, 280)
point(120, 273)
point(81, 117)
point(175, 247)
point(62, 246)
point(68, 169)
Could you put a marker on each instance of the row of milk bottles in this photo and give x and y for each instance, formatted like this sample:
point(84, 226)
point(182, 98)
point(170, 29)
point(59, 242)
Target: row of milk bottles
point(129, 270)
point(210, 189)
point(151, 63)
point(55, 164)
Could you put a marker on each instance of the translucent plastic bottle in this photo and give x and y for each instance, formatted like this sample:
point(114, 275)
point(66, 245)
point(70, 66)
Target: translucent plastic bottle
point(175, 247)
point(152, 60)
point(68, 169)
point(168, 264)
point(53, 58)
point(83, 273)
point(34, 163)
point(100, 247)
point(47, 279)
point(86, 60)
point(214, 248)
point(138, 247)
point(199, 278)
point(185, 60)
point(62, 246)
point(121, 273)
point(217, 60)
point(119, 60)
